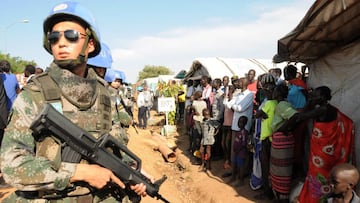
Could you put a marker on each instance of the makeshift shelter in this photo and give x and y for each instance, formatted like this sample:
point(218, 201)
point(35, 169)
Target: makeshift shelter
point(216, 67)
point(328, 40)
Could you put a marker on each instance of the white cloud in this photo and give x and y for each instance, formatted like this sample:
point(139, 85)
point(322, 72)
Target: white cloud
point(177, 48)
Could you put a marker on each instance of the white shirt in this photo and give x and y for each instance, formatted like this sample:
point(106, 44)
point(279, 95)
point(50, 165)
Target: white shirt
point(144, 99)
point(242, 105)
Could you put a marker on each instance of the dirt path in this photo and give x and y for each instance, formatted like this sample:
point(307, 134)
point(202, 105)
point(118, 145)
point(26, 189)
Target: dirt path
point(185, 183)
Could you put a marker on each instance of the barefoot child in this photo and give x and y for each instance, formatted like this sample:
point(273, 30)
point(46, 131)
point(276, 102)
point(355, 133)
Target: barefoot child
point(208, 131)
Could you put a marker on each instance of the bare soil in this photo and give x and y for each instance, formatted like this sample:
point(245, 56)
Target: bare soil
point(185, 183)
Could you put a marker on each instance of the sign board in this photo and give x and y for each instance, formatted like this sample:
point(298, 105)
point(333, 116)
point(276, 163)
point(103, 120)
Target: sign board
point(166, 104)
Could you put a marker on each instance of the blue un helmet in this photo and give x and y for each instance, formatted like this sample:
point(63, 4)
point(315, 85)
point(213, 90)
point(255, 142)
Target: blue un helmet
point(103, 59)
point(73, 11)
point(111, 75)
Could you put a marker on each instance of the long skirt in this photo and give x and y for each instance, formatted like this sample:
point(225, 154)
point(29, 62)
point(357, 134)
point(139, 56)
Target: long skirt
point(331, 143)
point(281, 162)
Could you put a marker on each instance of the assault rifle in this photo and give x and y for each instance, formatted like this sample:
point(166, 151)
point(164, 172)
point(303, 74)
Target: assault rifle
point(105, 151)
point(134, 124)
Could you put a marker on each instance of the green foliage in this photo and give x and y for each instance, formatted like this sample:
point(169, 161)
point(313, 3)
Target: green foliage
point(153, 71)
point(167, 90)
point(17, 63)
point(170, 89)
point(171, 118)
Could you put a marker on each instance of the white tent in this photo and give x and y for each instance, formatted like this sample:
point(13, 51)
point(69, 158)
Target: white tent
point(217, 67)
point(328, 41)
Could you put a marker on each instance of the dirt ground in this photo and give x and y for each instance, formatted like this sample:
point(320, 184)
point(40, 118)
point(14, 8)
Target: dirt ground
point(185, 183)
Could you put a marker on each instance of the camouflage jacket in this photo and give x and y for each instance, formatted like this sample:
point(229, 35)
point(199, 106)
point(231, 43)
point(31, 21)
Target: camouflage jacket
point(119, 112)
point(30, 165)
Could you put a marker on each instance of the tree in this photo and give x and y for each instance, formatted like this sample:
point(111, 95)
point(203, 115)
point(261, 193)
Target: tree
point(153, 71)
point(17, 63)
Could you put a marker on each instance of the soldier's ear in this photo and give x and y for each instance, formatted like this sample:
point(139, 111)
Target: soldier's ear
point(91, 45)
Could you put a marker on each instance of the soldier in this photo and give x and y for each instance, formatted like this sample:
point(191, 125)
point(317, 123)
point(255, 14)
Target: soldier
point(34, 165)
point(120, 118)
point(124, 113)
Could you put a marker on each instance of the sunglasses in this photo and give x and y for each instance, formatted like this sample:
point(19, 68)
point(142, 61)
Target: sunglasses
point(71, 35)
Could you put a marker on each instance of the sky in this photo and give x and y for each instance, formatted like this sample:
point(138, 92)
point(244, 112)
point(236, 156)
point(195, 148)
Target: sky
point(161, 32)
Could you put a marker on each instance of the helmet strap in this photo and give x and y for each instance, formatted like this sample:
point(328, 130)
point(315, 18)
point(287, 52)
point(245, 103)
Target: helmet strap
point(82, 58)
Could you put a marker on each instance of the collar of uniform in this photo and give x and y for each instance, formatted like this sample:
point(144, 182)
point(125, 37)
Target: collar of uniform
point(81, 92)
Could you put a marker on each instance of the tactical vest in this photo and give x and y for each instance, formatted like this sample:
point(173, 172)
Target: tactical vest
point(44, 89)
point(96, 119)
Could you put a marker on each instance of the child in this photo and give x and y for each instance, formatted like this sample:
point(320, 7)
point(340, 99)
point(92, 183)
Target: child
point(239, 149)
point(208, 131)
point(197, 106)
point(343, 178)
point(340, 185)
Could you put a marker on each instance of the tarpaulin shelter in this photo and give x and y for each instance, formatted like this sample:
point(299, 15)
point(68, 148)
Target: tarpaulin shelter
point(328, 25)
point(216, 67)
point(180, 75)
point(328, 40)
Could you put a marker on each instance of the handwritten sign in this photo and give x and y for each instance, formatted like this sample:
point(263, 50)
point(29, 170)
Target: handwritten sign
point(166, 104)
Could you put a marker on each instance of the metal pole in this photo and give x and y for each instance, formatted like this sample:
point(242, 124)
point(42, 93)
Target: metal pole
point(167, 123)
point(7, 27)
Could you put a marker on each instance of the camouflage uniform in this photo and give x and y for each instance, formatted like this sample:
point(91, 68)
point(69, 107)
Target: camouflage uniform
point(120, 114)
point(36, 166)
point(120, 118)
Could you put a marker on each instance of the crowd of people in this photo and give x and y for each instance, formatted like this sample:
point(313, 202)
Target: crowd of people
point(277, 131)
point(12, 86)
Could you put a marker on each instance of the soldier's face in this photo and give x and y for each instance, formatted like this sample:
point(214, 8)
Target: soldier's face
point(116, 84)
point(100, 72)
point(64, 48)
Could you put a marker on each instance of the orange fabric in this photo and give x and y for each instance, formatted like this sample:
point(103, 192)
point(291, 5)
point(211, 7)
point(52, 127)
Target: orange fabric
point(331, 143)
point(253, 88)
